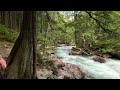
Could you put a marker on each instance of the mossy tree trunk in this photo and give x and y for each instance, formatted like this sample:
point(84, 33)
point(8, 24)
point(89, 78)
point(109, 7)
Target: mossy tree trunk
point(21, 61)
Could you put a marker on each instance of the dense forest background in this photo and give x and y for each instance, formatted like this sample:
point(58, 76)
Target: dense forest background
point(97, 29)
point(93, 30)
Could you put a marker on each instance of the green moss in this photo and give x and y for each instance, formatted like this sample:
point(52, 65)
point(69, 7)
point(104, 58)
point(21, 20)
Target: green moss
point(7, 34)
point(6, 43)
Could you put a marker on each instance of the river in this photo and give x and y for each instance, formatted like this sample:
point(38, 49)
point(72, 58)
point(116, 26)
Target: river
point(93, 70)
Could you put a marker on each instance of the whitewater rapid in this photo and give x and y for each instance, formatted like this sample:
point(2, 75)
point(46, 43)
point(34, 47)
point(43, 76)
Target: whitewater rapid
point(94, 70)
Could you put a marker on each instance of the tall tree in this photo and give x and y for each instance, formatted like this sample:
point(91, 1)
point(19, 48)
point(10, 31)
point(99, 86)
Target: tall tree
point(2, 17)
point(21, 61)
point(78, 32)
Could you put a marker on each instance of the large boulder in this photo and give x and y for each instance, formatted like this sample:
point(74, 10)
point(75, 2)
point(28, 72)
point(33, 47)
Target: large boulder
point(70, 71)
point(76, 71)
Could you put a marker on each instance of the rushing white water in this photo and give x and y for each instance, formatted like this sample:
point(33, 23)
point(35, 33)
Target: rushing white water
point(108, 70)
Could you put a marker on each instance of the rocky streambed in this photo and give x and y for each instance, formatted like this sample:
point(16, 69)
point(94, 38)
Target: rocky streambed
point(57, 69)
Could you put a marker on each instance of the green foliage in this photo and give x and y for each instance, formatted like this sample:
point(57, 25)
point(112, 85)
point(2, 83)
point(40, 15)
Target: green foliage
point(106, 50)
point(42, 40)
point(61, 29)
point(89, 36)
point(56, 27)
point(8, 34)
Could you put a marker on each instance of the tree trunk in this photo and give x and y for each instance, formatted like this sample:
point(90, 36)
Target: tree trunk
point(78, 33)
point(3, 17)
point(45, 29)
point(20, 60)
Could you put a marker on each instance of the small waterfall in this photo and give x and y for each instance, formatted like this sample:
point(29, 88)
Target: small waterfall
point(108, 70)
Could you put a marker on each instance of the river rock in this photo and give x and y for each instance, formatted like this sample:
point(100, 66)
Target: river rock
point(75, 53)
point(79, 51)
point(115, 54)
point(70, 71)
point(76, 49)
point(98, 59)
point(75, 70)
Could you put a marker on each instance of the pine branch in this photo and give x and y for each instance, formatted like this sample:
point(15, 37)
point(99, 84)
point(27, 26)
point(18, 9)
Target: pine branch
point(103, 28)
point(49, 19)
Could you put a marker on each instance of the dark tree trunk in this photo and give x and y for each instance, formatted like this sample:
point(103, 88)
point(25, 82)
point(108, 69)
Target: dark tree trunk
point(20, 60)
point(34, 43)
point(3, 17)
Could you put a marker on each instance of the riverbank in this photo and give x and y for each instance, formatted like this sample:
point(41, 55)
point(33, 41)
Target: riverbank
point(50, 68)
point(92, 69)
point(95, 55)
point(57, 69)
point(71, 66)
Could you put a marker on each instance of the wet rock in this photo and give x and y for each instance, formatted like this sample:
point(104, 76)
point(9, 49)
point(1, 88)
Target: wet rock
point(56, 69)
point(86, 51)
point(79, 51)
point(76, 49)
point(75, 70)
point(75, 53)
point(70, 71)
point(98, 59)
point(115, 55)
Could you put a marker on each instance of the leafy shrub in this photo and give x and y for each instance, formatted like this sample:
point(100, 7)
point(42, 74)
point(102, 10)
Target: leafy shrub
point(8, 34)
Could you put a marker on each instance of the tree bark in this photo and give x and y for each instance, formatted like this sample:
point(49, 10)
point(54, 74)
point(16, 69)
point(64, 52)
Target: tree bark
point(20, 60)
point(3, 17)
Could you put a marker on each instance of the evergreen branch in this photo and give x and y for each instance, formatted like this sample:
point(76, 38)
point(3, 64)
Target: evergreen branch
point(105, 29)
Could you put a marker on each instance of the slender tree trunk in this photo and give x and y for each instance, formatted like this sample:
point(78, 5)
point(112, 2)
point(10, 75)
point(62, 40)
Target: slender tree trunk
point(78, 33)
point(3, 17)
point(10, 19)
point(41, 30)
point(20, 60)
point(45, 29)
point(34, 42)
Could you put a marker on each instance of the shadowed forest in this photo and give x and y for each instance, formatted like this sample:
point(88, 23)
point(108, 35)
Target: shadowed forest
point(59, 45)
